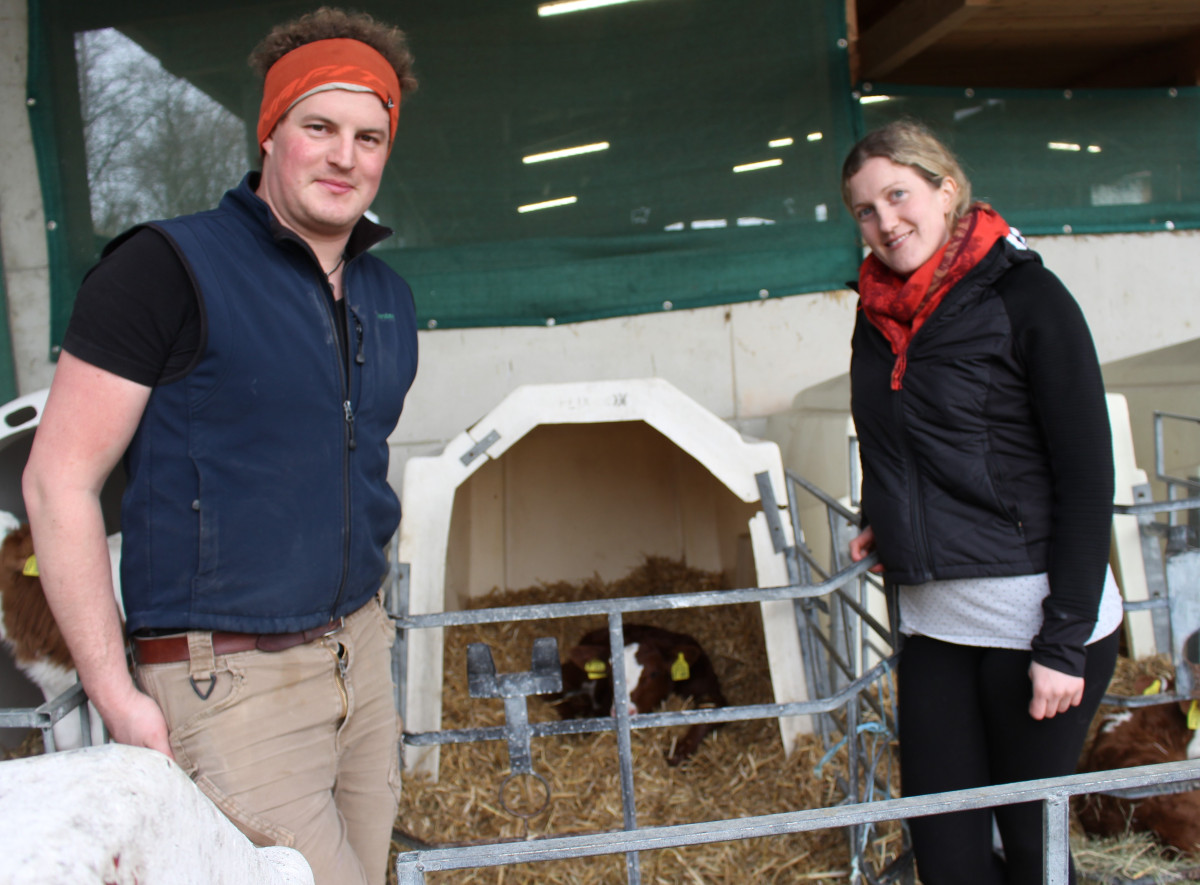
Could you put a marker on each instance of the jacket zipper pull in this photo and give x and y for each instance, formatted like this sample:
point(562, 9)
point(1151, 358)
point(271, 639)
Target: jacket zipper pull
point(349, 421)
point(358, 332)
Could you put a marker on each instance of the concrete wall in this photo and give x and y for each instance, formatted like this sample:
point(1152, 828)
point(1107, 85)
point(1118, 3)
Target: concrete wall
point(1166, 380)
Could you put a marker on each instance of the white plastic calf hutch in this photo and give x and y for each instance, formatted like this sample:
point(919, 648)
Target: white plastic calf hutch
point(566, 481)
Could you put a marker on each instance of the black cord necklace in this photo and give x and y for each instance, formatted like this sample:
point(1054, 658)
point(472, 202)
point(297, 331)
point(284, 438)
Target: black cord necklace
point(333, 269)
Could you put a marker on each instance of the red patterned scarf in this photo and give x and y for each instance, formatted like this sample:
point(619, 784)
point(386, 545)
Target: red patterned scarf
point(898, 307)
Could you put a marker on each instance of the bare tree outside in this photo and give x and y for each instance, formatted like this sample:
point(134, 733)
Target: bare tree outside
point(156, 145)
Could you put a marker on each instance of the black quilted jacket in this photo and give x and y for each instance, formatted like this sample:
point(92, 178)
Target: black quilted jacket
point(995, 457)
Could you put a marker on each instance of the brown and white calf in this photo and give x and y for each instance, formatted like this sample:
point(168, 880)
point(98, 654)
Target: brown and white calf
point(29, 631)
point(1145, 736)
point(658, 663)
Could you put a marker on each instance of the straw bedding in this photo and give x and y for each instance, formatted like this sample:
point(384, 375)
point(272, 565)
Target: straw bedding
point(740, 769)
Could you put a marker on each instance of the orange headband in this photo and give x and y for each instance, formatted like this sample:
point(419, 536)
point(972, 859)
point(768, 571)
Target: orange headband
point(339, 63)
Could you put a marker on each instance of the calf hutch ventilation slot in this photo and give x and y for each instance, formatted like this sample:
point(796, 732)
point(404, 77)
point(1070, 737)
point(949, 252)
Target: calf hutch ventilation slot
point(569, 481)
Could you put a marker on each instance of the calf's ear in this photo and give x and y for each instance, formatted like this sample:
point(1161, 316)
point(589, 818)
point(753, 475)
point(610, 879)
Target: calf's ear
point(1146, 685)
point(681, 659)
point(582, 655)
point(16, 548)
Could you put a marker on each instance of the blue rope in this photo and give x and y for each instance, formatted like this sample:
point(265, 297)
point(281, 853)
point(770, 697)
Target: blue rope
point(866, 728)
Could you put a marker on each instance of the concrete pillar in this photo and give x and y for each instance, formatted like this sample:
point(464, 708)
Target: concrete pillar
point(22, 221)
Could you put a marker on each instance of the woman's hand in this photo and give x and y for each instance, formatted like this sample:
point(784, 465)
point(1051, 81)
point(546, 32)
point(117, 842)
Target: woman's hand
point(1054, 692)
point(863, 546)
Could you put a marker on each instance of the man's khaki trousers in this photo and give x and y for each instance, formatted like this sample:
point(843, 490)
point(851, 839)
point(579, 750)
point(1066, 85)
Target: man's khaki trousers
point(297, 747)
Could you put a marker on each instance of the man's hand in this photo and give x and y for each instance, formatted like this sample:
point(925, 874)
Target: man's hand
point(136, 720)
point(863, 546)
point(1054, 692)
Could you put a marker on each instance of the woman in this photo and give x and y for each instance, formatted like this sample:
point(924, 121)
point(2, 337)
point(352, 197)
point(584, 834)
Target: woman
point(987, 493)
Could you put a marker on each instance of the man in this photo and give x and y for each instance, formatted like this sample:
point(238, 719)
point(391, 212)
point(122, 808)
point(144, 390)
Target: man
point(248, 364)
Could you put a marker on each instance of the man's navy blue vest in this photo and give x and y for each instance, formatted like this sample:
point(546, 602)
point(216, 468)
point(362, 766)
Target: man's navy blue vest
point(257, 497)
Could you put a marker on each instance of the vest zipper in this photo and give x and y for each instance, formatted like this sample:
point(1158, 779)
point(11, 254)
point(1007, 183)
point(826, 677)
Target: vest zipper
point(342, 359)
point(350, 443)
point(359, 359)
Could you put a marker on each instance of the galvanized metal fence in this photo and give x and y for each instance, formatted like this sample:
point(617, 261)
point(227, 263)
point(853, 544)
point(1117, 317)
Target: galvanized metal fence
point(840, 701)
point(1053, 793)
point(848, 654)
point(46, 716)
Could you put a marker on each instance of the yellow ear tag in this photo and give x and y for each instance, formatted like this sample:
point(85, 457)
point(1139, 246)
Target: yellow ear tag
point(31, 570)
point(595, 669)
point(680, 671)
point(1154, 687)
point(1194, 715)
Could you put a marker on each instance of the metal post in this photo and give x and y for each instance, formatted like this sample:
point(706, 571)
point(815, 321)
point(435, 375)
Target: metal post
point(410, 871)
point(1152, 558)
point(616, 644)
point(398, 601)
point(85, 723)
point(1056, 839)
point(1183, 584)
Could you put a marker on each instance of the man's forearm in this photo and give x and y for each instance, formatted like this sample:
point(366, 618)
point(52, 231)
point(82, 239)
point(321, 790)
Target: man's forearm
point(72, 551)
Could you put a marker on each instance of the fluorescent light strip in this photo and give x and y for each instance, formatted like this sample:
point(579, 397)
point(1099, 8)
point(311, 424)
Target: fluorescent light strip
point(564, 6)
point(1093, 149)
point(1062, 146)
point(874, 99)
point(761, 164)
point(814, 136)
point(781, 142)
point(548, 204)
point(566, 152)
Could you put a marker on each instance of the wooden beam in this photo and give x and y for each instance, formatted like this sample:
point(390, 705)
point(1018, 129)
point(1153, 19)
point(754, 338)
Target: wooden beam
point(911, 27)
point(852, 40)
point(1175, 64)
point(1188, 61)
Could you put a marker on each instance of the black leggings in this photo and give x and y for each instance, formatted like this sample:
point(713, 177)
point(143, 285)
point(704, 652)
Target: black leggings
point(964, 722)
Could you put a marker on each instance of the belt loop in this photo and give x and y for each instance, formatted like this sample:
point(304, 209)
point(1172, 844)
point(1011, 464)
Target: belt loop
point(201, 662)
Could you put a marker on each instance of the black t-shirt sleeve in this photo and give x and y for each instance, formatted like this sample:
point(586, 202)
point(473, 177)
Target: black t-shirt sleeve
point(137, 314)
point(1067, 392)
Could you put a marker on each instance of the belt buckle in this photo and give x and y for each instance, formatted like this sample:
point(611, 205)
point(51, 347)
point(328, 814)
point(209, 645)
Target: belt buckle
point(333, 627)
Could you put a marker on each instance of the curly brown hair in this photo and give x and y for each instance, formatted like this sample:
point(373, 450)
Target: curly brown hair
point(329, 23)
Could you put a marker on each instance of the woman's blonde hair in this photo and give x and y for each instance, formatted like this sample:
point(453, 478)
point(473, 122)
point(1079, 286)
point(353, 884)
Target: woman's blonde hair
point(909, 143)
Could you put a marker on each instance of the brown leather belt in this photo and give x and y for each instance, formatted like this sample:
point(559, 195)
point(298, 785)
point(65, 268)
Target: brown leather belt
point(170, 649)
